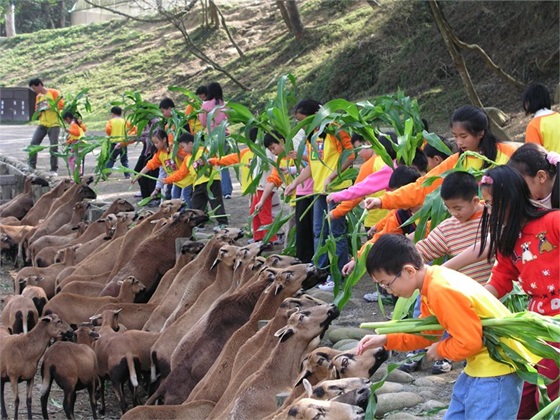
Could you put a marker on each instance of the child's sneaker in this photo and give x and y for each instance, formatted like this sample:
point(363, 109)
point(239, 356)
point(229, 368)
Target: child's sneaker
point(371, 297)
point(441, 366)
point(327, 286)
point(411, 365)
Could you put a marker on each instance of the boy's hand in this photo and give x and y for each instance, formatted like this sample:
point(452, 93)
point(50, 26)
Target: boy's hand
point(258, 207)
point(134, 179)
point(371, 341)
point(348, 268)
point(372, 203)
point(292, 155)
point(330, 198)
point(432, 354)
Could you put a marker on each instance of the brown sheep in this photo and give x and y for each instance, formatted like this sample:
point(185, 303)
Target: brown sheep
point(127, 355)
point(20, 354)
point(41, 208)
point(84, 288)
point(253, 354)
point(76, 309)
point(38, 296)
point(156, 254)
point(257, 395)
point(188, 277)
point(8, 247)
point(93, 230)
point(188, 252)
point(47, 274)
point(62, 236)
point(141, 231)
point(286, 283)
point(310, 409)
point(192, 411)
point(20, 205)
point(352, 390)
point(20, 314)
point(73, 366)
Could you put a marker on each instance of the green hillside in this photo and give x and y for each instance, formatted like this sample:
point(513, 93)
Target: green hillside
point(350, 50)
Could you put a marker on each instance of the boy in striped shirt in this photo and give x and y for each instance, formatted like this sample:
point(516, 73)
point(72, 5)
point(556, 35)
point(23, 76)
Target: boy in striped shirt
point(459, 192)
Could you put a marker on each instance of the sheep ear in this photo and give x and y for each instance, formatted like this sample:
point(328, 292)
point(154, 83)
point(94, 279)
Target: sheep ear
point(304, 374)
point(119, 282)
point(237, 264)
point(284, 333)
point(215, 263)
point(308, 387)
point(46, 319)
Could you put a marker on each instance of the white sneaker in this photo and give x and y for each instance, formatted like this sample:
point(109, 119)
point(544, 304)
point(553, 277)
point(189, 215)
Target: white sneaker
point(53, 173)
point(371, 297)
point(327, 286)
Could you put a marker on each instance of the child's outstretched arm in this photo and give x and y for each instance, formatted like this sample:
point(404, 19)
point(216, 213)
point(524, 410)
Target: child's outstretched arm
point(371, 341)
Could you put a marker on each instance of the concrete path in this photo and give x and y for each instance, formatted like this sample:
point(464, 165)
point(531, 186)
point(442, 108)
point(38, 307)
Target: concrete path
point(15, 138)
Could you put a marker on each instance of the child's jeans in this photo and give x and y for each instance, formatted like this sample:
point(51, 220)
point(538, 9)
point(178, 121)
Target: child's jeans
point(338, 229)
point(494, 397)
point(186, 195)
point(176, 191)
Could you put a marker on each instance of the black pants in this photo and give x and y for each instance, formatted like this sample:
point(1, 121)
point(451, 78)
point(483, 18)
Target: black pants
point(304, 229)
point(201, 198)
point(147, 185)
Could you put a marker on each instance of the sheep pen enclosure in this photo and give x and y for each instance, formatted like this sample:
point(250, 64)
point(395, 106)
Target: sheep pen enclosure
point(416, 394)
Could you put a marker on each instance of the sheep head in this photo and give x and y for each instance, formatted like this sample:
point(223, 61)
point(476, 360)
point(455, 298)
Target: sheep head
point(246, 254)
point(316, 363)
point(309, 323)
point(276, 260)
point(309, 409)
point(349, 364)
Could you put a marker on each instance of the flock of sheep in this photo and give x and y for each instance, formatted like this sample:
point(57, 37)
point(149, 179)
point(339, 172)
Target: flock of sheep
point(112, 300)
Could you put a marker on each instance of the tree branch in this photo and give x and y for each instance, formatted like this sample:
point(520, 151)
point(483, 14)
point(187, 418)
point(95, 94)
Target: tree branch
point(116, 12)
point(493, 66)
point(223, 19)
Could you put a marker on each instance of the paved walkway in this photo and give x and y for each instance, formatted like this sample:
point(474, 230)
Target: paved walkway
point(15, 138)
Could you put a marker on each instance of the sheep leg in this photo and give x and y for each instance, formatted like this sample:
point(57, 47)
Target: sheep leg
point(45, 391)
point(92, 401)
point(68, 403)
point(102, 396)
point(2, 402)
point(119, 392)
point(28, 399)
point(15, 391)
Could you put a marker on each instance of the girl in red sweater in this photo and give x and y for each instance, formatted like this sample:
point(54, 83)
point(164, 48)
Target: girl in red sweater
point(525, 239)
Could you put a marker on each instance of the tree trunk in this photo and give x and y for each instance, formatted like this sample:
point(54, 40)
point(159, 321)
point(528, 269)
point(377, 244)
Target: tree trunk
point(461, 66)
point(213, 12)
point(11, 21)
point(373, 3)
point(62, 13)
point(295, 19)
point(224, 24)
point(284, 12)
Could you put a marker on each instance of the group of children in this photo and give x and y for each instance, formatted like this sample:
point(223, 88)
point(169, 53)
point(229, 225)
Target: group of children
point(504, 229)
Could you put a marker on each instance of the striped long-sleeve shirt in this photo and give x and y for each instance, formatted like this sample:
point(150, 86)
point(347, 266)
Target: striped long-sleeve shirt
point(451, 237)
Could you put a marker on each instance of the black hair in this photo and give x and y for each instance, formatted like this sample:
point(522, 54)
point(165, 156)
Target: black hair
point(35, 82)
point(403, 175)
point(117, 110)
point(531, 158)
point(185, 138)
point(215, 92)
point(459, 184)
point(307, 107)
point(390, 253)
point(535, 97)
point(430, 151)
point(68, 114)
point(253, 134)
point(166, 103)
point(387, 140)
point(475, 121)
point(271, 138)
point(201, 90)
point(511, 210)
point(420, 161)
point(356, 137)
point(160, 134)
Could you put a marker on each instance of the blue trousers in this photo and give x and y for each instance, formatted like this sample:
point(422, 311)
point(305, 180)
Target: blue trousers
point(337, 228)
